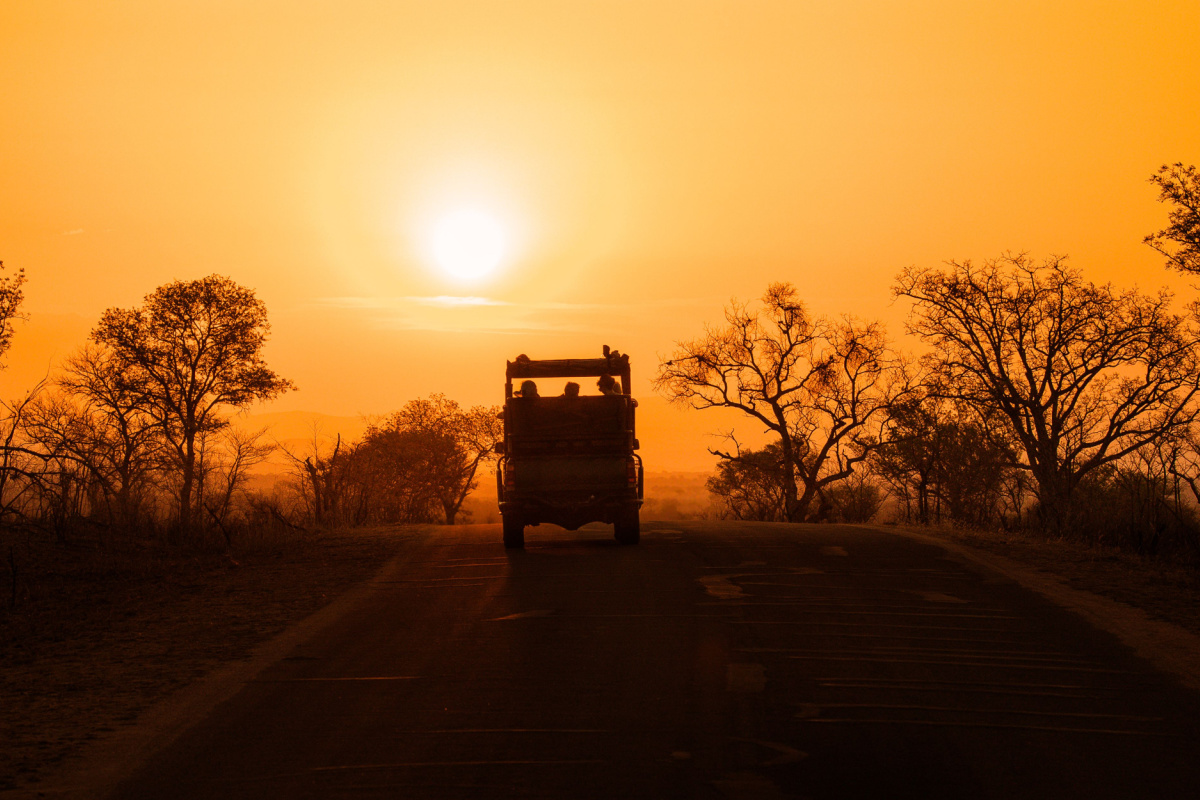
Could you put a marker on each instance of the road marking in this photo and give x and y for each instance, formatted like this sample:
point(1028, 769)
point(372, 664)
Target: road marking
point(1021, 655)
point(946, 685)
point(942, 614)
point(721, 587)
point(859, 625)
point(950, 662)
point(997, 725)
point(939, 597)
point(748, 786)
point(1070, 692)
point(806, 711)
point(437, 585)
point(330, 680)
point(833, 550)
point(410, 764)
point(745, 678)
point(786, 754)
point(545, 612)
point(506, 730)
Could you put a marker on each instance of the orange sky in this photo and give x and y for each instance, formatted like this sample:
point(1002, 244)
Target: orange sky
point(649, 160)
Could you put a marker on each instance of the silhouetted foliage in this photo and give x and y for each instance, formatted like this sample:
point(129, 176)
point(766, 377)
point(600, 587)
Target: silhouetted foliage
point(192, 349)
point(941, 463)
point(417, 464)
point(824, 387)
point(854, 500)
point(96, 422)
point(11, 296)
point(454, 443)
point(1179, 185)
point(1081, 375)
point(751, 484)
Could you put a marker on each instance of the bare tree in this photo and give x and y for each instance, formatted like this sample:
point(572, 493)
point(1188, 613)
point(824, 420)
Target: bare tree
point(324, 476)
point(1179, 185)
point(1081, 374)
point(192, 349)
point(27, 471)
point(226, 459)
point(824, 388)
point(95, 420)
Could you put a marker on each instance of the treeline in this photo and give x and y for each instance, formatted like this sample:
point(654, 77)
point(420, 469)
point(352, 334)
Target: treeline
point(1041, 400)
point(416, 465)
point(132, 436)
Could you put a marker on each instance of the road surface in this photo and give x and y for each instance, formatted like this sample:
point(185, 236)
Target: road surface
point(714, 660)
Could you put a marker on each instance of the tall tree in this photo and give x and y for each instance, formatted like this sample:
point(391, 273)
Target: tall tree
point(192, 349)
point(1179, 185)
point(1081, 374)
point(824, 388)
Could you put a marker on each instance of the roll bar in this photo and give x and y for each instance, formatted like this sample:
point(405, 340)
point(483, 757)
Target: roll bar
point(612, 363)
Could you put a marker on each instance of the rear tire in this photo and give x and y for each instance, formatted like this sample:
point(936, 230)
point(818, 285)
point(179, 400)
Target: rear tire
point(514, 532)
point(628, 528)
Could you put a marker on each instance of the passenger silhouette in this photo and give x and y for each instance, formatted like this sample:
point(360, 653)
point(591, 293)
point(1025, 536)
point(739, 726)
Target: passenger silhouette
point(608, 385)
point(571, 389)
point(528, 389)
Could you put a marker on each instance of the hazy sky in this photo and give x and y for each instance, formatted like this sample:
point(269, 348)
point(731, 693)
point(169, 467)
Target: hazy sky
point(645, 160)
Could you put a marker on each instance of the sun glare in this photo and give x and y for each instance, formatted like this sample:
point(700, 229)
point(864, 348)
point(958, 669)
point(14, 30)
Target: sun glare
point(469, 243)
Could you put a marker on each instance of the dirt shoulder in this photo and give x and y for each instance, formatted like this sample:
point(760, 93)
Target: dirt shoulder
point(1151, 605)
point(91, 637)
point(1165, 591)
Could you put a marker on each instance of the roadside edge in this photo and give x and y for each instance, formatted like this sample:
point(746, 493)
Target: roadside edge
point(1168, 647)
point(103, 765)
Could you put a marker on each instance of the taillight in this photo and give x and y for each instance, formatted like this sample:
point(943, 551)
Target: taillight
point(509, 477)
point(631, 473)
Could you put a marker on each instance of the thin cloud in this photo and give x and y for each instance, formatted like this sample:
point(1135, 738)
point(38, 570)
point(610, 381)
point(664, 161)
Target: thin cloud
point(75, 232)
point(486, 315)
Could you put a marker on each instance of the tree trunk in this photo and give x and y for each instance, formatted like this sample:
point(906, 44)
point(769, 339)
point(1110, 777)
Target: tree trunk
point(187, 486)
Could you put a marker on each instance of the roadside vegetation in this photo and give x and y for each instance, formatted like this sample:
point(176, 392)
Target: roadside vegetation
point(1042, 402)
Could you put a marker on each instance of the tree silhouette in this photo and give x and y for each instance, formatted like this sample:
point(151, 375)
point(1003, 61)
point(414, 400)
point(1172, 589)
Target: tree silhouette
point(942, 459)
point(11, 295)
point(193, 348)
point(96, 420)
point(824, 388)
point(1081, 374)
point(1180, 241)
point(751, 484)
point(453, 443)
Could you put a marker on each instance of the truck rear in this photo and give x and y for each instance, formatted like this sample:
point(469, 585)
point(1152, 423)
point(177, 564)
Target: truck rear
point(571, 459)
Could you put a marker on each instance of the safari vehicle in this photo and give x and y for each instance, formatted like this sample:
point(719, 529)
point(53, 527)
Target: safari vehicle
point(569, 460)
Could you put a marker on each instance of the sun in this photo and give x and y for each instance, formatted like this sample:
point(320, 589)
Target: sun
point(469, 243)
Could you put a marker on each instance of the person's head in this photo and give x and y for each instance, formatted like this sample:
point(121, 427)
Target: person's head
point(607, 384)
point(571, 389)
point(528, 389)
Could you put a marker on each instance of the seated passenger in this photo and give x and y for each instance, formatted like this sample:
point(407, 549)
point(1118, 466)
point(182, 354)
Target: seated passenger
point(528, 389)
point(608, 385)
point(571, 389)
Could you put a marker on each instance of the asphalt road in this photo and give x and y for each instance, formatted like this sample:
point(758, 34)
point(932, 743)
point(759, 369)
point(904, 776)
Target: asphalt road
point(713, 660)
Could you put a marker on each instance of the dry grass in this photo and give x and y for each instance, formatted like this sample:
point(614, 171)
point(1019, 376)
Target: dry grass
point(96, 635)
